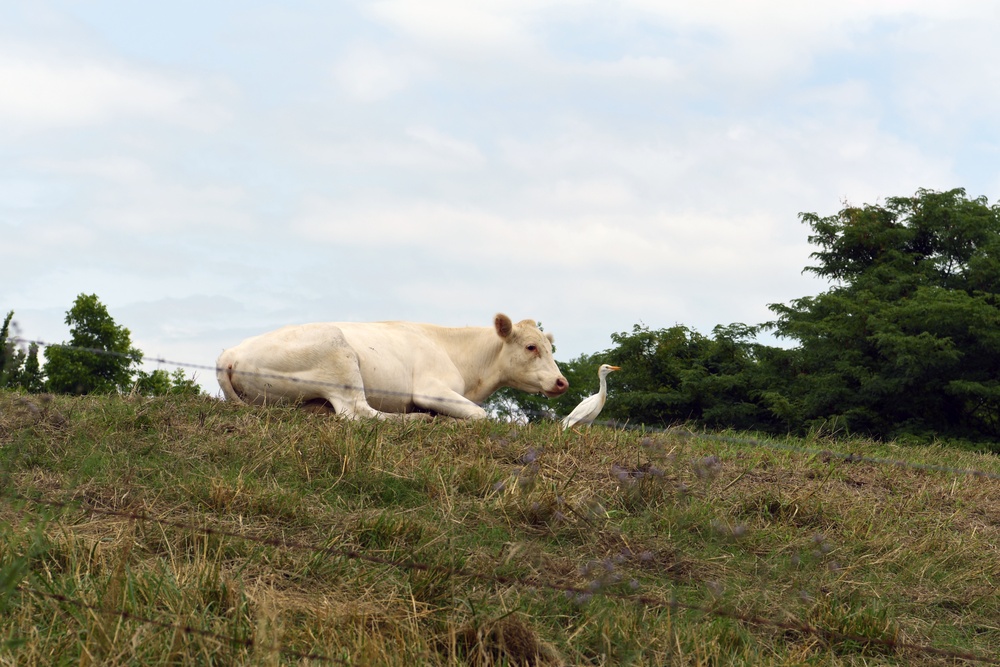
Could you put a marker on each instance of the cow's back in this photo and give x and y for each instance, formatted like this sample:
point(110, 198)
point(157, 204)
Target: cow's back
point(292, 363)
point(378, 358)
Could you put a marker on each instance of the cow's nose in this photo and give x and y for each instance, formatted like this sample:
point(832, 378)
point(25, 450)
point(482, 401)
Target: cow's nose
point(561, 385)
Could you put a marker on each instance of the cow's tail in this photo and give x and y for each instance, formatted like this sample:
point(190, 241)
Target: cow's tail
point(224, 368)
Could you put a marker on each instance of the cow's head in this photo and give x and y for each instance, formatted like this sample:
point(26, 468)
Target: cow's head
point(526, 361)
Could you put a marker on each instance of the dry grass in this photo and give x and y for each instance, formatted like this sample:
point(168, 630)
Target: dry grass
point(271, 535)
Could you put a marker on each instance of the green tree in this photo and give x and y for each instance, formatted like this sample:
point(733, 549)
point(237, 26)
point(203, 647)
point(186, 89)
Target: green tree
point(182, 385)
point(32, 379)
point(99, 357)
point(161, 383)
point(10, 363)
point(18, 369)
point(908, 338)
point(156, 383)
point(674, 375)
point(26, 372)
point(659, 376)
point(679, 375)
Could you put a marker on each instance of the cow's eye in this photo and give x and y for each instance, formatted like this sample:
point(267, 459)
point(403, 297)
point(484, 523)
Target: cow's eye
point(531, 348)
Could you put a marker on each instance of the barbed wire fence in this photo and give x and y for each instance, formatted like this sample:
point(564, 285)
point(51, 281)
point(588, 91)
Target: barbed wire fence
point(682, 432)
point(823, 634)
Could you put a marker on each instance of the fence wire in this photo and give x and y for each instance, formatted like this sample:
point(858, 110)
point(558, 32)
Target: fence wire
point(680, 432)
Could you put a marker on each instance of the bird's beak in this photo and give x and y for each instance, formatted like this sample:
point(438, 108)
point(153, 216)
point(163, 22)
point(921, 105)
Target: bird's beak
point(616, 368)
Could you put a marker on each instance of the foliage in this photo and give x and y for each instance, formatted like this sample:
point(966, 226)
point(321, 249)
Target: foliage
point(8, 363)
point(99, 357)
point(908, 338)
point(161, 383)
point(671, 376)
point(679, 375)
point(18, 368)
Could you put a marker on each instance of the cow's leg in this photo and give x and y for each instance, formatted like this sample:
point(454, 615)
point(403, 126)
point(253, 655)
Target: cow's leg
point(443, 400)
point(340, 381)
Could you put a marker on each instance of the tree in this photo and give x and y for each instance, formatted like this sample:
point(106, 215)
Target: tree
point(672, 375)
point(10, 364)
point(99, 357)
point(679, 375)
point(908, 338)
point(25, 372)
point(161, 383)
point(18, 369)
point(182, 385)
point(156, 383)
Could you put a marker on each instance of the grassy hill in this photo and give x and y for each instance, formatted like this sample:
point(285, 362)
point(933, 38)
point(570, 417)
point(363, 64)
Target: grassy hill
point(192, 532)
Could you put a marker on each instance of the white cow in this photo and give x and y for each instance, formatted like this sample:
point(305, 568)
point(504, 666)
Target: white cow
point(370, 369)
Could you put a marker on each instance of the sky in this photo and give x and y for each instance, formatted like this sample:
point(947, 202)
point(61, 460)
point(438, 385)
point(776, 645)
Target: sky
point(213, 170)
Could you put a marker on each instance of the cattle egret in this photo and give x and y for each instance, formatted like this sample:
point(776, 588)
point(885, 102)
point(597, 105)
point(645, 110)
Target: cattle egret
point(590, 407)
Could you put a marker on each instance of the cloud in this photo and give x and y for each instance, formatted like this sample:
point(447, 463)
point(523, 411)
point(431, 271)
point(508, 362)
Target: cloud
point(608, 244)
point(43, 91)
point(643, 68)
point(367, 73)
point(487, 25)
point(590, 165)
point(587, 194)
point(416, 149)
point(729, 166)
point(446, 146)
point(760, 21)
point(126, 193)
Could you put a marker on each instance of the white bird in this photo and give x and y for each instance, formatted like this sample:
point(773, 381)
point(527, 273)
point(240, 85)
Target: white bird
point(590, 407)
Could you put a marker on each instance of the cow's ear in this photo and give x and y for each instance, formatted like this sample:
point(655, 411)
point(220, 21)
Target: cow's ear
point(552, 339)
point(503, 325)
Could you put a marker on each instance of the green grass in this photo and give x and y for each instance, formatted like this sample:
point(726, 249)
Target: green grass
point(268, 535)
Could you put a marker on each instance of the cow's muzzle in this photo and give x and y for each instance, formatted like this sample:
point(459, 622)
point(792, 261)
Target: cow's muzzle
point(558, 389)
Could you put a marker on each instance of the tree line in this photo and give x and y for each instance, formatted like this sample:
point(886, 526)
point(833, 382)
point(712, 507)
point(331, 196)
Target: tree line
point(98, 359)
point(904, 344)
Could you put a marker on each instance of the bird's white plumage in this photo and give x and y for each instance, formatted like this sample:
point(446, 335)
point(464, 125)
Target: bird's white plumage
point(590, 407)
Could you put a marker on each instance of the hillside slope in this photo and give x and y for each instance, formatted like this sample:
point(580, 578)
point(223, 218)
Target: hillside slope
point(189, 531)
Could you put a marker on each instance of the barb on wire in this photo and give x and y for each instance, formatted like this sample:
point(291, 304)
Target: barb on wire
point(646, 600)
